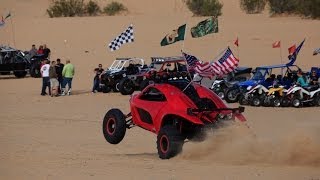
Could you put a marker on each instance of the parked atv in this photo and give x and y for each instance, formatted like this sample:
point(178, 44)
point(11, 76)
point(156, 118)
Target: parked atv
point(260, 77)
point(254, 95)
point(174, 111)
point(275, 96)
point(124, 75)
point(299, 96)
point(221, 85)
point(13, 60)
point(173, 67)
point(35, 64)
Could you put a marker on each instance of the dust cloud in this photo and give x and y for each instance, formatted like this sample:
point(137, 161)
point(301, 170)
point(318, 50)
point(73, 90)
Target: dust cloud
point(237, 144)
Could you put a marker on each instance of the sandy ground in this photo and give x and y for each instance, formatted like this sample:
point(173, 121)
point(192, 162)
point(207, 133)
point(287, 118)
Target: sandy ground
point(61, 138)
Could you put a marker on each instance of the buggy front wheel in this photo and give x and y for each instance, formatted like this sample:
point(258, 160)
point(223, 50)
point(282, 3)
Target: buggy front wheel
point(114, 126)
point(169, 142)
point(126, 86)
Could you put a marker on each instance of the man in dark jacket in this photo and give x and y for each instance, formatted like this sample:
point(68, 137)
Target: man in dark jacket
point(46, 51)
point(96, 81)
point(59, 67)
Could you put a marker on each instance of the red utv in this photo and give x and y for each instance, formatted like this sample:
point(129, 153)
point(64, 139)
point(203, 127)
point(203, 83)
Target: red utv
point(175, 111)
point(170, 67)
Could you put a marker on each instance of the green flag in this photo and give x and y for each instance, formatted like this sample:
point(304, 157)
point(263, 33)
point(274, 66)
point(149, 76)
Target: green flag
point(205, 27)
point(7, 16)
point(174, 36)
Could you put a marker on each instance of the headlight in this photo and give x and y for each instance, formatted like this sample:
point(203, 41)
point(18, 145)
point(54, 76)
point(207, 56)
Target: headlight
point(124, 75)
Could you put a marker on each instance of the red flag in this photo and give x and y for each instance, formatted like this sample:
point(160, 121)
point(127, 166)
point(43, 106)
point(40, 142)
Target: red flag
point(292, 49)
point(236, 42)
point(276, 44)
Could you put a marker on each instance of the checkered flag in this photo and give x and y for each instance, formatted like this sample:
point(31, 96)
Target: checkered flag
point(125, 37)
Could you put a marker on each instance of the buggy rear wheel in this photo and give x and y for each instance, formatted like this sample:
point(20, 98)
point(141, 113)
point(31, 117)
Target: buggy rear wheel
point(144, 84)
point(285, 102)
point(105, 89)
point(114, 126)
point(296, 102)
point(20, 74)
point(126, 86)
point(169, 142)
point(316, 101)
point(35, 72)
point(220, 93)
point(232, 95)
point(256, 101)
point(276, 102)
point(116, 86)
point(243, 100)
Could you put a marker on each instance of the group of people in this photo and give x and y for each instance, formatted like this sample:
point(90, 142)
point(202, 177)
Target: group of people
point(43, 50)
point(305, 81)
point(56, 77)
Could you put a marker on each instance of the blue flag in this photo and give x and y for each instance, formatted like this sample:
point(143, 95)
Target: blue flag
point(2, 22)
point(293, 57)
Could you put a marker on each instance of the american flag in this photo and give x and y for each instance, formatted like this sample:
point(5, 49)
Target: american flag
point(191, 60)
point(226, 64)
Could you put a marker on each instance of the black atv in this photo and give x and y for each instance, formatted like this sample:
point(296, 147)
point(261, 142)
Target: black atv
point(124, 76)
point(13, 60)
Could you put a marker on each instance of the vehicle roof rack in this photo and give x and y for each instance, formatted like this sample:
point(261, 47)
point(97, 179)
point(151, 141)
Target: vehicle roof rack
point(164, 59)
point(123, 59)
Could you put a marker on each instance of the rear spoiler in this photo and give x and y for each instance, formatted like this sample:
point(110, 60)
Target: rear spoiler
point(240, 109)
point(236, 111)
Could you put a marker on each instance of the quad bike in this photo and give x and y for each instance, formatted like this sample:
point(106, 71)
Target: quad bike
point(275, 96)
point(221, 85)
point(299, 96)
point(254, 95)
point(174, 111)
point(124, 75)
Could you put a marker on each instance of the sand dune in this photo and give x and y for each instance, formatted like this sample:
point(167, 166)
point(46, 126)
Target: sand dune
point(61, 138)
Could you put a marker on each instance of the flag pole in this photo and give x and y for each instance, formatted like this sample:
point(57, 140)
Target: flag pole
point(184, 37)
point(238, 48)
point(280, 54)
point(13, 35)
point(281, 58)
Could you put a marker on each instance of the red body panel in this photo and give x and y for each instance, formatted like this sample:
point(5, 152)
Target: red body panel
point(176, 103)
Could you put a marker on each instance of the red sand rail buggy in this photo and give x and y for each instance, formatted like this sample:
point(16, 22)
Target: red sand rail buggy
point(175, 111)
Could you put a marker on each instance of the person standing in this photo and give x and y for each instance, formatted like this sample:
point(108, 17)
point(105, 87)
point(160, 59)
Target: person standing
point(67, 73)
point(314, 79)
point(40, 50)
point(33, 51)
point(45, 78)
point(53, 79)
point(59, 68)
point(46, 51)
point(96, 80)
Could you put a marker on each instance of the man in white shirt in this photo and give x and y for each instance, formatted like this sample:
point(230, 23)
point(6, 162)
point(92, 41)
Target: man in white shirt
point(45, 78)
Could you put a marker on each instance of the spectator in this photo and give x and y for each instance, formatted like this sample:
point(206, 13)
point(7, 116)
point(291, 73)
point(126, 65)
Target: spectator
point(96, 81)
point(45, 78)
point(53, 79)
point(46, 51)
point(302, 80)
point(59, 68)
point(314, 79)
point(33, 51)
point(40, 50)
point(67, 73)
